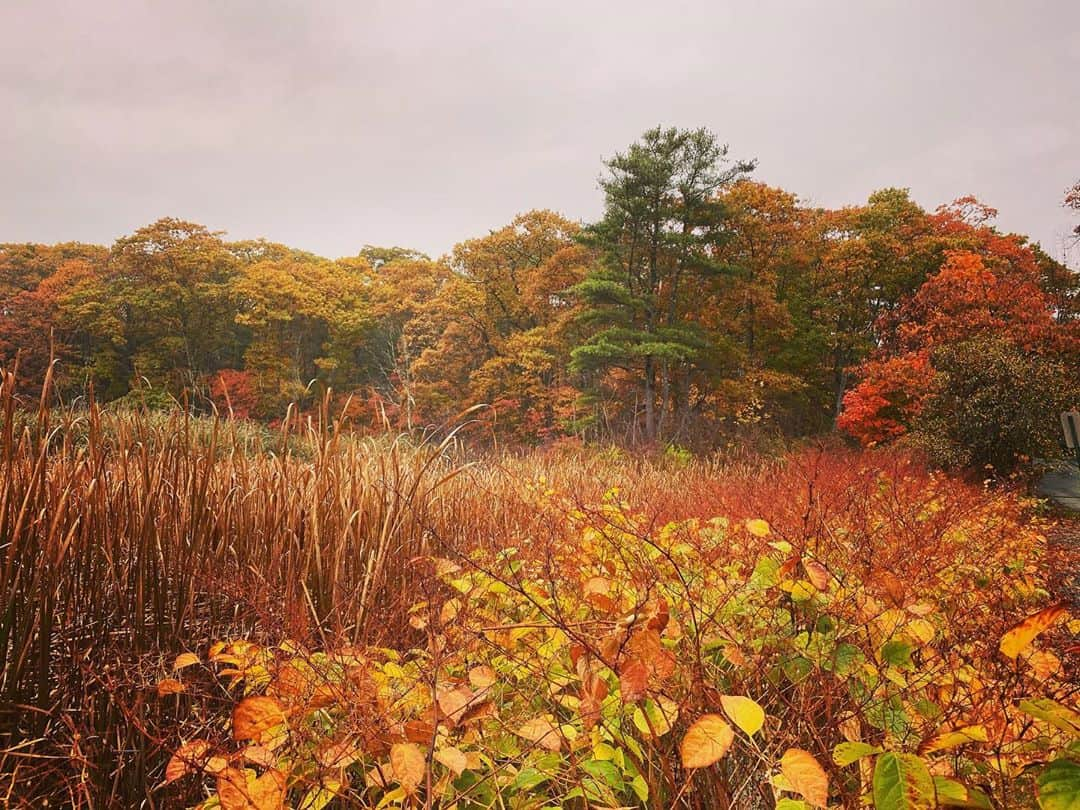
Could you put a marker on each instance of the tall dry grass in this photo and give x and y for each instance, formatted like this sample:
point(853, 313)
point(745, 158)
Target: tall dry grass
point(125, 535)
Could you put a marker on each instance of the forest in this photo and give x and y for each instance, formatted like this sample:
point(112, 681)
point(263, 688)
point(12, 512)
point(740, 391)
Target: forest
point(723, 500)
point(702, 309)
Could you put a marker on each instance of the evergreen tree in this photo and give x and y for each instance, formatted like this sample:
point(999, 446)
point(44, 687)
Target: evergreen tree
point(661, 225)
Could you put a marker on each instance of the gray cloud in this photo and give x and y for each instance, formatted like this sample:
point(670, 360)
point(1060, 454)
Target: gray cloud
point(329, 125)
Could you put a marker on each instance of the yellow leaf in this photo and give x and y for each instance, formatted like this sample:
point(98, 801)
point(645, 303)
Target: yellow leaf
point(253, 716)
point(453, 759)
point(806, 776)
point(758, 527)
point(921, 631)
point(706, 741)
point(953, 738)
point(408, 764)
point(744, 712)
point(169, 686)
point(481, 677)
point(1019, 637)
point(185, 660)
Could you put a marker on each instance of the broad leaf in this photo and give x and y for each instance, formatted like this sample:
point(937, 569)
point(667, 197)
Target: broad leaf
point(706, 741)
point(902, 782)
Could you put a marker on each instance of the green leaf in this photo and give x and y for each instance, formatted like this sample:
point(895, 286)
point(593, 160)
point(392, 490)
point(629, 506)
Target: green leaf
point(847, 752)
point(1058, 786)
point(897, 653)
point(606, 772)
point(766, 574)
point(792, 804)
point(951, 793)
point(321, 795)
point(529, 778)
point(1054, 713)
point(902, 782)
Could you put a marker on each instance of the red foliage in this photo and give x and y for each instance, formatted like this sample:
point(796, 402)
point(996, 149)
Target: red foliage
point(233, 392)
point(970, 296)
point(890, 394)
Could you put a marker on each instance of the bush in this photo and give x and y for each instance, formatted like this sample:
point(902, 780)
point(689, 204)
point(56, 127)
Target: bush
point(993, 404)
point(703, 664)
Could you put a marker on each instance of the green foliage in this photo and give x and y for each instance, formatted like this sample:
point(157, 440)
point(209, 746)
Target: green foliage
point(994, 404)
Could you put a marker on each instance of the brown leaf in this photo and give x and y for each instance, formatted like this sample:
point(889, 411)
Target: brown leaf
point(633, 680)
point(650, 650)
point(818, 574)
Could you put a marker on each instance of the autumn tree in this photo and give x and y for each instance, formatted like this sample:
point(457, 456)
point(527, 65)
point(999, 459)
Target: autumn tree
point(306, 317)
point(662, 224)
point(34, 281)
point(928, 360)
point(496, 330)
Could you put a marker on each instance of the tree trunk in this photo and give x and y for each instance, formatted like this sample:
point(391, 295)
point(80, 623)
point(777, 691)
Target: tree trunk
point(650, 404)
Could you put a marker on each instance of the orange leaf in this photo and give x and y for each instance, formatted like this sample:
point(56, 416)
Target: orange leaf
point(340, 754)
point(242, 790)
point(633, 680)
point(169, 686)
point(706, 741)
point(453, 759)
point(253, 716)
point(806, 776)
point(408, 764)
point(188, 758)
point(454, 702)
point(593, 691)
point(541, 731)
point(1019, 637)
point(419, 731)
point(185, 660)
point(482, 677)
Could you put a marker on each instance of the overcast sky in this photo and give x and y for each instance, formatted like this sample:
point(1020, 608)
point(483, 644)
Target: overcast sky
point(330, 125)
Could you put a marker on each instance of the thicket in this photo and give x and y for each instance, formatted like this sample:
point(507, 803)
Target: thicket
point(190, 617)
point(702, 306)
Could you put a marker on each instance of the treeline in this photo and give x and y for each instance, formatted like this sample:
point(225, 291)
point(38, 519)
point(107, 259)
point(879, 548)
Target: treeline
point(701, 305)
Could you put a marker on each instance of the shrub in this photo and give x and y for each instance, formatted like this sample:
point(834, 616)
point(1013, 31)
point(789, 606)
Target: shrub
point(994, 404)
point(702, 663)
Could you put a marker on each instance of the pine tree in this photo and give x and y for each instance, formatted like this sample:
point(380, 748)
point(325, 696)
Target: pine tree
point(661, 224)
